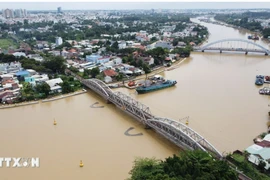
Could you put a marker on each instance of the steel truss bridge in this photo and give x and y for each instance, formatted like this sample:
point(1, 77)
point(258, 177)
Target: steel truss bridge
point(180, 134)
point(239, 45)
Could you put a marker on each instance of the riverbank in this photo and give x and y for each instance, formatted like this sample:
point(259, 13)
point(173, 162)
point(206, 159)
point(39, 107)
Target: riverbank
point(154, 72)
point(241, 28)
point(43, 101)
point(64, 96)
point(18, 104)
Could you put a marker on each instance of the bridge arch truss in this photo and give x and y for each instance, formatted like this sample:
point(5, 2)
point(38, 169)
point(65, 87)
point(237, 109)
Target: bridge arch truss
point(175, 131)
point(263, 49)
point(182, 135)
point(99, 87)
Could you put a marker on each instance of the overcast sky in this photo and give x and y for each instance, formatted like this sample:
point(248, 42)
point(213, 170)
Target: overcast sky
point(132, 5)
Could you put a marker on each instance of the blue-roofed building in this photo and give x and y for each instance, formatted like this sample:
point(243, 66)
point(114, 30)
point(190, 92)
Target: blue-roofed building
point(22, 74)
point(93, 58)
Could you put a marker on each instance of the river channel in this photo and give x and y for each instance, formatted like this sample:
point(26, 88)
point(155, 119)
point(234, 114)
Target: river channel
point(215, 90)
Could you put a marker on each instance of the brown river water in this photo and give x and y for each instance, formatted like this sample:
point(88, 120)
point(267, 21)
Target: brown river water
point(215, 90)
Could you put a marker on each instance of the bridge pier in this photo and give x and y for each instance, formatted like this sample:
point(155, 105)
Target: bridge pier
point(266, 54)
point(108, 102)
point(220, 51)
point(246, 53)
point(147, 127)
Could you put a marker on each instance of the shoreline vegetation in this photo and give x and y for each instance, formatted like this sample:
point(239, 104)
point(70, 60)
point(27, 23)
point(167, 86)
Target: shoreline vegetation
point(58, 97)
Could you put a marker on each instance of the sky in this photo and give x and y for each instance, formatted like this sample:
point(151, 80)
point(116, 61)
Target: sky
point(131, 5)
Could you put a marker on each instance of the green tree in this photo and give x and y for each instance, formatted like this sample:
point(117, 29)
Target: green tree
point(43, 88)
point(119, 76)
point(146, 68)
point(66, 87)
point(189, 165)
point(55, 64)
point(94, 72)
point(262, 165)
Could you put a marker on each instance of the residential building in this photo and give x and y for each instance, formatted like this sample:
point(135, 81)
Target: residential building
point(36, 57)
point(10, 67)
point(54, 85)
point(107, 79)
point(19, 54)
point(58, 41)
point(40, 78)
point(122, 44)
point(260, 152)
point(110, 72)
point(30, 80)
point(163, 44)
point(22, 74)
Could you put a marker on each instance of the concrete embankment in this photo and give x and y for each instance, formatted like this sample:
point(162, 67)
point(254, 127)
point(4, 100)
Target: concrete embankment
point(45, 100)
point(18, 105)
point(64, 96)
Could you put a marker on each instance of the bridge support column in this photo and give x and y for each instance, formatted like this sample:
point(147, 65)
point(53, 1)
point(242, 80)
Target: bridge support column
point(147, 127)
point(246, 53)
point(266, 54)
point(220, 51)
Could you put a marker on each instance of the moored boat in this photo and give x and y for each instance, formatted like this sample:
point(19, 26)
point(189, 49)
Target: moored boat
point(157, 83)
point(265, 91)
point(259, 80)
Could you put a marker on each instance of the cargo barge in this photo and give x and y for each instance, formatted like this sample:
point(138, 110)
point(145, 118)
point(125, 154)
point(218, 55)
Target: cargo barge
point(156, 83)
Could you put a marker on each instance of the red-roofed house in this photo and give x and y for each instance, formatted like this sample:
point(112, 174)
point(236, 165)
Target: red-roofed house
point(110, 72)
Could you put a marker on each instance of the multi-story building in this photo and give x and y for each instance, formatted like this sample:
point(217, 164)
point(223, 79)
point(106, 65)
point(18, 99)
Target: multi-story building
point(59, 10)
point(17, 13)
point(8, 13)
point(58, 41)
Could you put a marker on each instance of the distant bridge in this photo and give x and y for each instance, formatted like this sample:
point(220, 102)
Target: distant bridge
point(239, 45)
point(180, 134)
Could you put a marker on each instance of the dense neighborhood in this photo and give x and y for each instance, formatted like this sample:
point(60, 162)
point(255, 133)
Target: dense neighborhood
point(110, 46)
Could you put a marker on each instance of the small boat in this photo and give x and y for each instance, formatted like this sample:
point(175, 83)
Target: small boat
point(265, 91)
point(260, 76)
point(259, 81)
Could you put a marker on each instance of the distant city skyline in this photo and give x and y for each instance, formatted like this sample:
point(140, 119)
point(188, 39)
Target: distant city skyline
point(132, 5)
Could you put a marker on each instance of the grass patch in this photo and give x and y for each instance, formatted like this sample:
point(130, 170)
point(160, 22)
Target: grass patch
point(239, 158)
point(6, 43)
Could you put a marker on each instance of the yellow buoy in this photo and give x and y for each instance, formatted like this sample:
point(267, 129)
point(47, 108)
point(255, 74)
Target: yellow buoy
point(54, 123)
point(187, 122)
point(81, 164)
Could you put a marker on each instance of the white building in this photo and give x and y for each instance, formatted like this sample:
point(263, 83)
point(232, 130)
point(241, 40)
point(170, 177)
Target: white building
point(260, 152)
point(58, 41)
point(54, 84)
point(19, 54)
